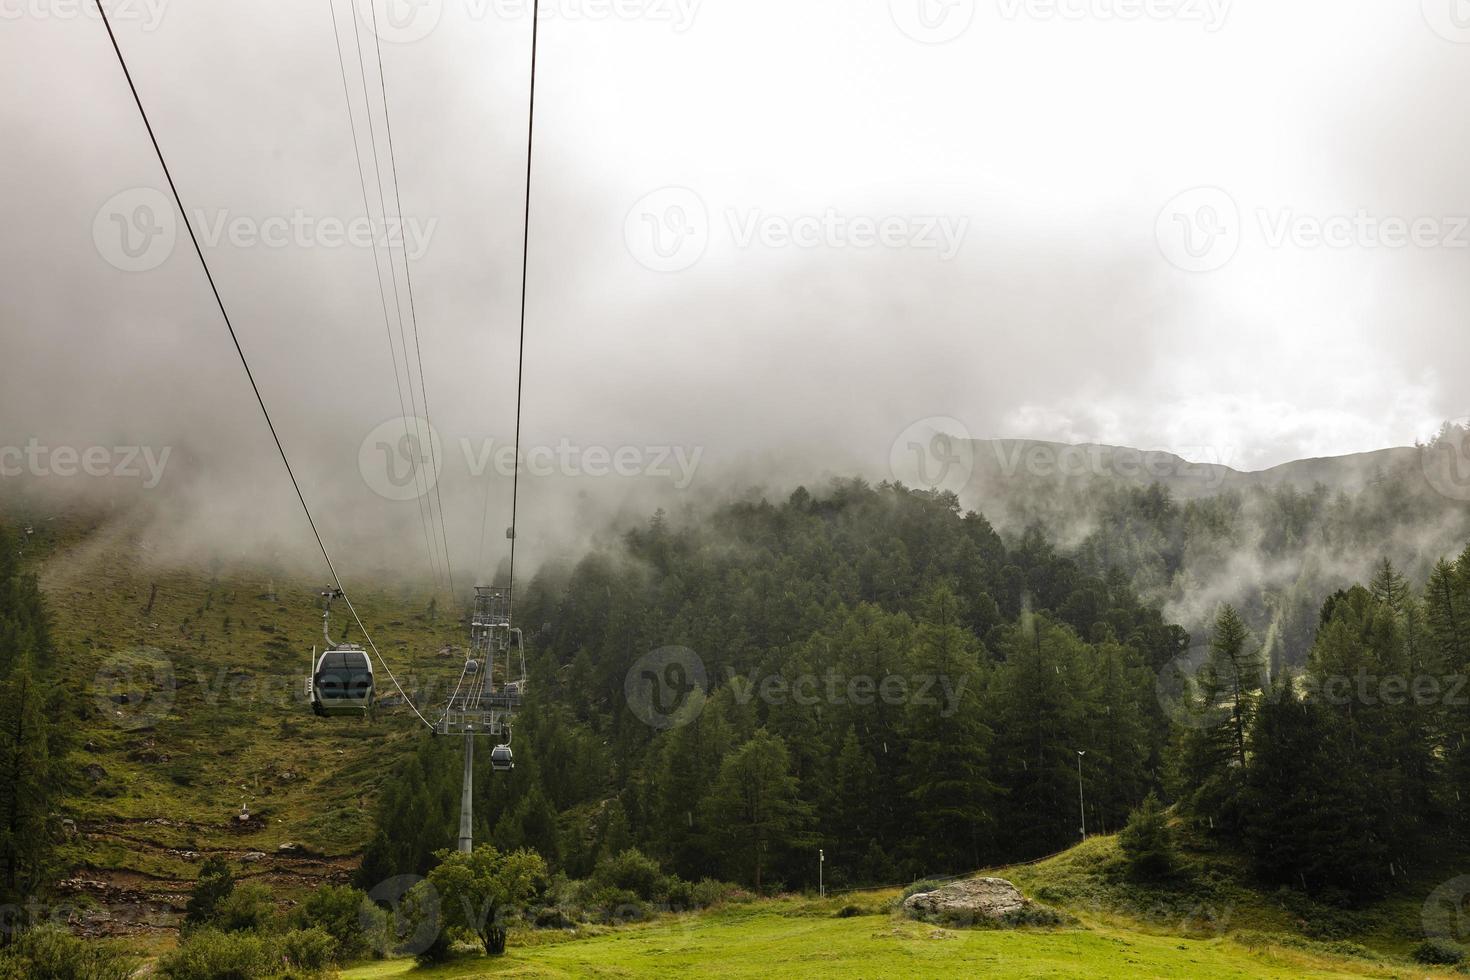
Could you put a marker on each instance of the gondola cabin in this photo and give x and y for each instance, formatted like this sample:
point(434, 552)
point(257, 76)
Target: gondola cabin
point(342, 683)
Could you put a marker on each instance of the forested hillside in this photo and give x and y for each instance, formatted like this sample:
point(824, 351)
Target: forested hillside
point(1033, 656)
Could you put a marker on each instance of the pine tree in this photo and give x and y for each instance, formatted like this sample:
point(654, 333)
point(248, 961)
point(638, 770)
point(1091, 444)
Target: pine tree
point(26, 786)
point(1307, 824)
point(1212, 752)
point(1389, 587)
point(754, 808)
point(1147, 842)
point(948, 744)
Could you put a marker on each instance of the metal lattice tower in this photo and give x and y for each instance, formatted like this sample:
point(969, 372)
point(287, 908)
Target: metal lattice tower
point(485, 706)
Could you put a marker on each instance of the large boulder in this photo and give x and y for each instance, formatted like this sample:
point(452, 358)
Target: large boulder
point(974, 900)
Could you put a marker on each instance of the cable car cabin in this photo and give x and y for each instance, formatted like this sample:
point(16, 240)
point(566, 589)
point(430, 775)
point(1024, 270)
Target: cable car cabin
point(342, 683)
point(501, 759)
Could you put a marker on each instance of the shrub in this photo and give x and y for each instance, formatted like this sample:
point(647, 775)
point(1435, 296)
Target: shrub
point(338, 911)
point(212, 955)
point(54, 953)
point(308, 951)
point(1147, 842)
point(214, 885)
point(618, 905)
point(708, 892)
point(1438, 952)
point(632, 871)
point(923, 885)
point(679, 894)
point(249, 907)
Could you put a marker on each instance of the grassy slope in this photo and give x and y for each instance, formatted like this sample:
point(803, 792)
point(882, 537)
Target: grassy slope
point(166, 775)
point(773, 940)
point(1205, 923)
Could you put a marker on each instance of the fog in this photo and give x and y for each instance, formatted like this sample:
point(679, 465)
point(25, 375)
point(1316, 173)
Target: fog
point(766, 240)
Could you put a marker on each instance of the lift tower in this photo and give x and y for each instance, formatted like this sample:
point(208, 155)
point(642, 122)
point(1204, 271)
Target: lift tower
point(488, 695)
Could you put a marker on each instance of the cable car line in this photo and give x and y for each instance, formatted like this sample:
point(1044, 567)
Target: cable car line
point(421, 481)
point(377, 268)
point(515, 486)
point(412, 307)
point(240, 351)
point(521, 346)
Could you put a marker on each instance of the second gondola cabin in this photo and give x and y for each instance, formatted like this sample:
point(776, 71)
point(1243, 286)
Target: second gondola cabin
point(342, 683)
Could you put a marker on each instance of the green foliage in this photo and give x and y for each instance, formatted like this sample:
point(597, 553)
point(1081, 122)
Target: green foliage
point(480, 892)
point(1438, 952)
point(53, 953)
point(338, 911)
point(215, 883)
point(634, 872)
point(32, 736)
point(210, 955)
point(755, 804)
point(249, 907)
point(308, 951)
point(1147, 842)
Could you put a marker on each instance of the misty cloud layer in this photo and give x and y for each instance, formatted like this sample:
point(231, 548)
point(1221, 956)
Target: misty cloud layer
point(771, 359)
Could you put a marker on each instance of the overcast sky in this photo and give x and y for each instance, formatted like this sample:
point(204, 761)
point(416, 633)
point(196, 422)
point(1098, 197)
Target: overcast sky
point(774, 233)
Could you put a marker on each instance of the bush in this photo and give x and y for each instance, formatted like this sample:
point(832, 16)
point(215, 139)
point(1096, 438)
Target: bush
point(708, 893)
point(1147, 842)
point(339, 911)
point(1438, 952)
point(618, 905)
point(679, 894)
point(632, 871)
point(212, 955)
point(214, 885)
point(308, 951)
point(923, 885)
point(248, 908)
point(54, 953)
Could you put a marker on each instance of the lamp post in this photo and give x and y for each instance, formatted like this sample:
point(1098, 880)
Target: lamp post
point(821, 862)
point(1081, 807)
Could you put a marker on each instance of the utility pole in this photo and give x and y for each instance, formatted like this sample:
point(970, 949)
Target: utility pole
point(821, 862)
point(467, 797)
point(1081, 807)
